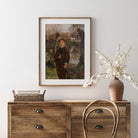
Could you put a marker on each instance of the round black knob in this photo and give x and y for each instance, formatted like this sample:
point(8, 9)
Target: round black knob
point(39, 126)
point(99, 111)
point(98, 126)
point(39, 111)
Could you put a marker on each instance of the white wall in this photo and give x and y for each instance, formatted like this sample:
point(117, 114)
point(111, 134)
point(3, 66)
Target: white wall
point(114, 21)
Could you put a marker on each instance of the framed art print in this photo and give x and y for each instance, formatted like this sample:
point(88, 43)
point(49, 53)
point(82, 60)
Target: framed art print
point(64, 50)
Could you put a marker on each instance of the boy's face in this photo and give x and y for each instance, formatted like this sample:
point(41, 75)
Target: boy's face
point(62, 43)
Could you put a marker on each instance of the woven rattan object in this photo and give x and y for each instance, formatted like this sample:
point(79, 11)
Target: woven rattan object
point(28, 97)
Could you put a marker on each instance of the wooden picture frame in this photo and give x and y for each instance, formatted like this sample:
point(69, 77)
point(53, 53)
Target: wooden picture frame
point(75, 34)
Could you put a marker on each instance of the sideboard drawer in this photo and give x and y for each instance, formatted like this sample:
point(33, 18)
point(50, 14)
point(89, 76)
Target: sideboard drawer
point(48, 124)
point(105, 129)
point(78, 134)
point(39, 135)
point(37, 111)
point(77, 111)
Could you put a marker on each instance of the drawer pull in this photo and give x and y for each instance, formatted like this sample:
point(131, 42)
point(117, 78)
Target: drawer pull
point(98, 126)
point(39, 127)
point(99, 111)
point(39, 111)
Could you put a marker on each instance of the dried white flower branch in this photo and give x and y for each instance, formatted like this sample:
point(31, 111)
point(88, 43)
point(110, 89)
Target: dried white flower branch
point(114, 68)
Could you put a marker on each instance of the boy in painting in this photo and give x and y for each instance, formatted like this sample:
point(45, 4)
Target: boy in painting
point(61, 58)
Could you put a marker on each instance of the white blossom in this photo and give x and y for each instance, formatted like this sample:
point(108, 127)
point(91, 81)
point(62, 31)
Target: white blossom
point(114, 68)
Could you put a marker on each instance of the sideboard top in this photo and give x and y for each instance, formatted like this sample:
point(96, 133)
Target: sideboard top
point(62, 101)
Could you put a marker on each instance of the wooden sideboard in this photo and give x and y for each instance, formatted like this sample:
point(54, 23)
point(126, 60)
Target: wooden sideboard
point(63, 119)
